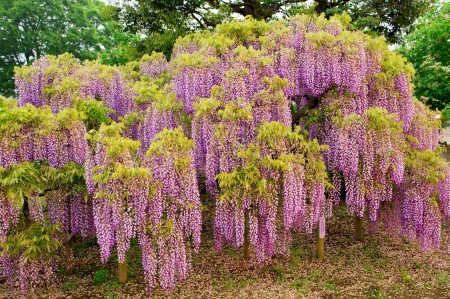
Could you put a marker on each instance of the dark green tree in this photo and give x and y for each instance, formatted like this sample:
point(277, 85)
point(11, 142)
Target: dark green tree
point(162, 21)
point(31, 29)
point(428, 49)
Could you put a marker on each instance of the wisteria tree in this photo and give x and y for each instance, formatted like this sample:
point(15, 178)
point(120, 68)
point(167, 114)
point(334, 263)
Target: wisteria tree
point(280, 120)
point(42, 157)
point(352, 94)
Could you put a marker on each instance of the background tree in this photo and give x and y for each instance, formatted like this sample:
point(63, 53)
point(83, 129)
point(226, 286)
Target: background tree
point(163, 21)
point(31, 29)
point(428, 49)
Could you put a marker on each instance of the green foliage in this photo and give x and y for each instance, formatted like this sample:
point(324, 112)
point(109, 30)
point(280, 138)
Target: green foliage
point(13, 118)
point(427, 49)
point(406, 277)
point(35, 243)
point(248, 30)
point(125, 50)
point(388, 18)
point(163, 21)
point(110, 136)
point(20, 181)
point(197, 60)
point(236, 111)
point(31, 29)
point(433, 168)
point(123, 153)
point(101, 276)
point(168, 142)
point(95, 113)
point(161, 97)
point(70, 174)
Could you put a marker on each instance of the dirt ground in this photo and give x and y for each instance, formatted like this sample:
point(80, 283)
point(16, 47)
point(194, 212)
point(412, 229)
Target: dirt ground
point(379, 266)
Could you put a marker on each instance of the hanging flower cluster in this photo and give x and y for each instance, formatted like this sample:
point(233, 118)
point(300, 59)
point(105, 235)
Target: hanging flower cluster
point(29, 258)
point(60, 82)
point(115, 165)
point(29, 133)
point(280, 185)
point(174, 220)
point(194, 77)
point(154, 65)
point(67, 201)
point(422, 200)
point(159, 109)
point(156, 201)
point(368, 153)
point(424, 128)
point(222, 125)
point(31, 81)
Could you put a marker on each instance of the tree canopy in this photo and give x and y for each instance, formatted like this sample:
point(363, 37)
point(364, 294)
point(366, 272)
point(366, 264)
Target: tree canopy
point(31, 29)
point(162, 21)
point(428, 49)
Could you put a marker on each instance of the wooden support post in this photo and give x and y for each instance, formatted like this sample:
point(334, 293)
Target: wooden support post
point(247, 251)
point(320, 244)
point(122, 272)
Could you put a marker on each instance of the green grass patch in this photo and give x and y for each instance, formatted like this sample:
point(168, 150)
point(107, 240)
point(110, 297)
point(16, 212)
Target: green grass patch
point(70, 285)
point(371, 250)
point(101, 276)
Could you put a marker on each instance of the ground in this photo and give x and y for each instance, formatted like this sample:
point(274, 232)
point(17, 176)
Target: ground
point(379, 266)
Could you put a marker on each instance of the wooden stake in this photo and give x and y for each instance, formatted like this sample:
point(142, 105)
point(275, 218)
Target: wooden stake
point(320, 244)
point(122, 272)
point(247, 251)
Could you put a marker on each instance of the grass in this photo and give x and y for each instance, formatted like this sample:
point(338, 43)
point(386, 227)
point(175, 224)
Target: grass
point(300, 285)
point(101, 276)
point(406, 278)
point(278, 271)
point(330, 286)
point(371, 250)
point(443, 279)
point(229, 283)
point(70, 285)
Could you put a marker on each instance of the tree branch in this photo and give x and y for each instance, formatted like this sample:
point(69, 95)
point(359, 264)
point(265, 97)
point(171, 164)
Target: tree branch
point(312, 103)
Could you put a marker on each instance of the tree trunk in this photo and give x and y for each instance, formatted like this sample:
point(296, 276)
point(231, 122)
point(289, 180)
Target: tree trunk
point(320, 244)
point(358, 228)
point(25, 216)
point(247, 251)
point(322, 6)
point(122, 271)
